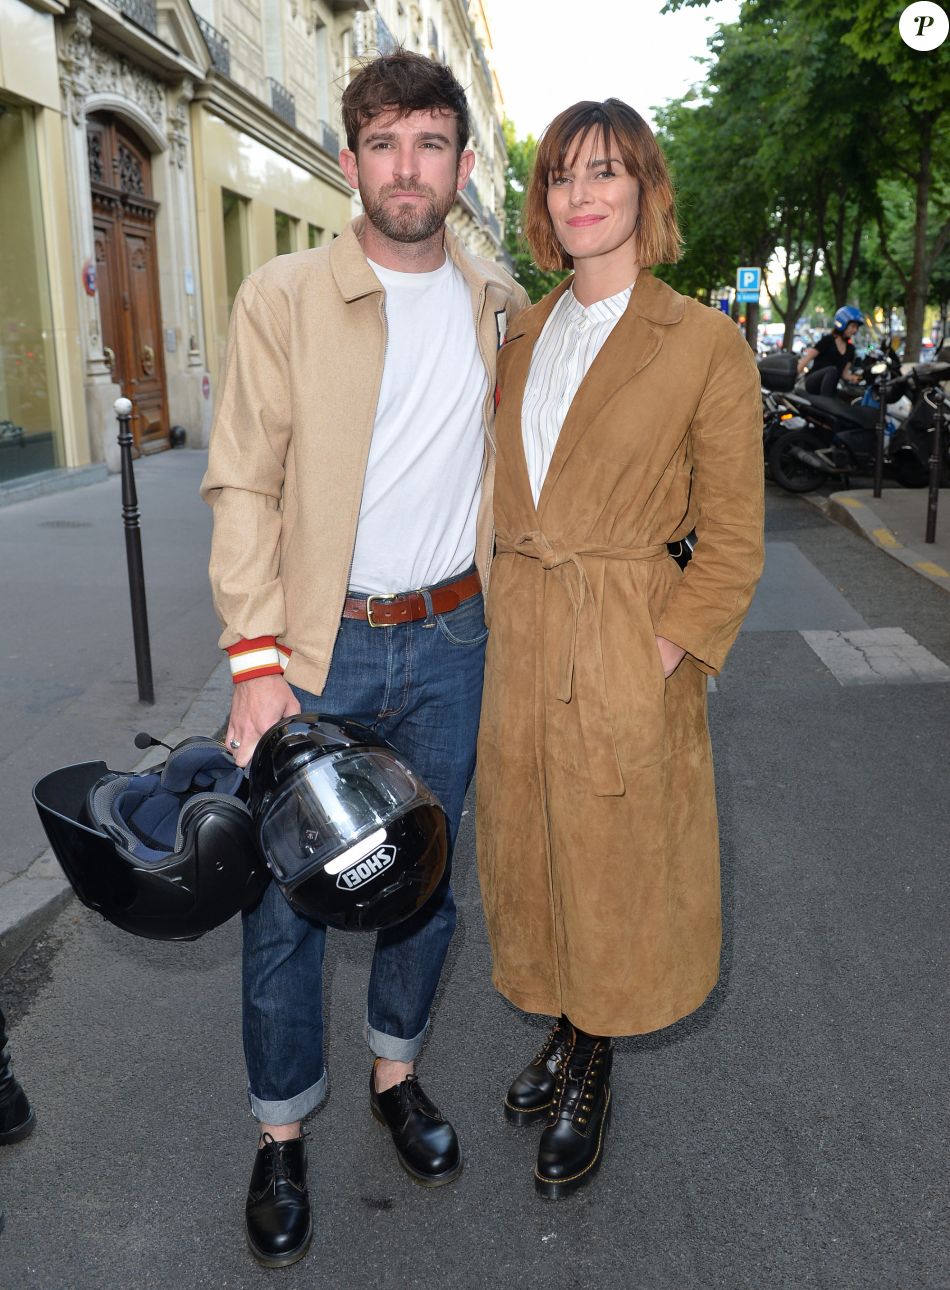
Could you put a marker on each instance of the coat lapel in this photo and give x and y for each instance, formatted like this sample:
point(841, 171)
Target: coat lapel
point(518, 351)
point(634, 342)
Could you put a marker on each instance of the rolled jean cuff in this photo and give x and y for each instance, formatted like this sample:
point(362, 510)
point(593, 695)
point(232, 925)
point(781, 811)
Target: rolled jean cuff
point(392, 1049)
point(292, 1108)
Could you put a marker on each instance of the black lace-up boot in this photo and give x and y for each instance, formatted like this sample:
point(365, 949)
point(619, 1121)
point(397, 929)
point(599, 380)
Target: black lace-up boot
point(17, 1120)
point(572, 1144)
point(277, 1217)
point(532, 1092)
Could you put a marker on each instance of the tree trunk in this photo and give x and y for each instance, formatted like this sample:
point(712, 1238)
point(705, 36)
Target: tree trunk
point(918, 280)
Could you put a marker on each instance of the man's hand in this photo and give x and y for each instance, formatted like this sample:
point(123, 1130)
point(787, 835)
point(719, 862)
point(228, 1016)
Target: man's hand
point(255, 706)
point(670, 655)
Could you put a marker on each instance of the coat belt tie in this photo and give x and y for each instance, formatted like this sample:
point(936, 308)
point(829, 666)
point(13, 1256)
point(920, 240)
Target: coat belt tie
point(567, 565)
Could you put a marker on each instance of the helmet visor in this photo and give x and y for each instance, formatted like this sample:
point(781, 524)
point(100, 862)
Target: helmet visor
point(333, 812)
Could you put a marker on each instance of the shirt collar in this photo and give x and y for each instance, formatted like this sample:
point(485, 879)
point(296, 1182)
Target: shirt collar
point(601, 310)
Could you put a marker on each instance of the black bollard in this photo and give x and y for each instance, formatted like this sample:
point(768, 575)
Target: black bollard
point(133, 553)
point(936, 466)
point(879, 436)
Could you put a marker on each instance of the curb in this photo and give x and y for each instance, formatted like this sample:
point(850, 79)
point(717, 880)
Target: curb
point(30, 901)
point(858, 516)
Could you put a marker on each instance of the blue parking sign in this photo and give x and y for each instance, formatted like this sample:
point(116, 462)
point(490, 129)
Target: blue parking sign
point(748, 279)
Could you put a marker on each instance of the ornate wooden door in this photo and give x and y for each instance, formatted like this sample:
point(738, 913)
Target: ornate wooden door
point(127, 274)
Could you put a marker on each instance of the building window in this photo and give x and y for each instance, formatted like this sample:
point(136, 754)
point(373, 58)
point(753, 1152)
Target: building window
point(286, 230)
point(236, 263)
point(314, 236)
point(30, 422)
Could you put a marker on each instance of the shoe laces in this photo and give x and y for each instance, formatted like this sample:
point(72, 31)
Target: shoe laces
point(275, 1158)
point(577, 1072)
point(556, 1038)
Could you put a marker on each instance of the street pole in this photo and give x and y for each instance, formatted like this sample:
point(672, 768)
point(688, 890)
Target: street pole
point(936, 469)
point(133, 554)
point(879, 436)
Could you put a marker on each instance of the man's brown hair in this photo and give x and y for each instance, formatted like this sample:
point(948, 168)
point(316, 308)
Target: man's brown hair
point(625, 133)
point(400, 83)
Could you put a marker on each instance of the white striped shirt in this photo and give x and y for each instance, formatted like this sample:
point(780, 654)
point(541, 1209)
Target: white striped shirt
point(570, 340)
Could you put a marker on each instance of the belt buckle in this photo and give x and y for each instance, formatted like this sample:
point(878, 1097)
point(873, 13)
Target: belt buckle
point(369, 608)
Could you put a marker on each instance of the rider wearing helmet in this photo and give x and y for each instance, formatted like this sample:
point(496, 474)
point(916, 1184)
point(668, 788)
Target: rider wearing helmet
point(833, 355)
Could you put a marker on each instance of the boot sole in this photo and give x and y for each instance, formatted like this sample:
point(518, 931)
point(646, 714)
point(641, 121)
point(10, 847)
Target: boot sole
point(515, 1116)
point(19, 1131)
point(280, 1260)
point(423, 1180)
point(558, 1188)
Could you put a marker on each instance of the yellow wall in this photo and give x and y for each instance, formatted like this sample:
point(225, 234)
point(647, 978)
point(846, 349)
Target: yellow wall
point(225, 158)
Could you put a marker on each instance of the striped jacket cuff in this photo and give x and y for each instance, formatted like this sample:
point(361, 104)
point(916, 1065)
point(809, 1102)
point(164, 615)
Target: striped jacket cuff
point(259, 657)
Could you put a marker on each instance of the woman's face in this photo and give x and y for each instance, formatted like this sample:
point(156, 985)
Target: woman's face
point(851, 330)
point(593, 202)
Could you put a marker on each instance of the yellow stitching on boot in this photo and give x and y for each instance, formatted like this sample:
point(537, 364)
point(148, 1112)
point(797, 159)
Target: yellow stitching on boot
point(528, 1109)
point(587, 1168)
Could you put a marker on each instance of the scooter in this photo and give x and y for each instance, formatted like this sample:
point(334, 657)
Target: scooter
point(839, 439)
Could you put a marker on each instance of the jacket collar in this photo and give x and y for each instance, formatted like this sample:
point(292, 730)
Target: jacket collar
point(355, 278)
point(634, 342)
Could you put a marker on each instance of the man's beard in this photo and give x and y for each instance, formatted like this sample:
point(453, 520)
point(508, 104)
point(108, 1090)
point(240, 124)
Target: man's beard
point(407, 221)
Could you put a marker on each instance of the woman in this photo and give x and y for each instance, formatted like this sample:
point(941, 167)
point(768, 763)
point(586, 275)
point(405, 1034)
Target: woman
point(832, 357)
point(629, 415)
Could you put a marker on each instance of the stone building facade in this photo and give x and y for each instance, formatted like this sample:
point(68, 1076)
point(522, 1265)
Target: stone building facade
point(152, 153)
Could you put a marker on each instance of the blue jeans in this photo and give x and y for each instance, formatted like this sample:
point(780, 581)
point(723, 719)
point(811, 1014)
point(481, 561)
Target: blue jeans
point(420, 686)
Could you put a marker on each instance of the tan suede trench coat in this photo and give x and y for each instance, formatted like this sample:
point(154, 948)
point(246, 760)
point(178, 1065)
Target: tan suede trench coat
point(597, 834)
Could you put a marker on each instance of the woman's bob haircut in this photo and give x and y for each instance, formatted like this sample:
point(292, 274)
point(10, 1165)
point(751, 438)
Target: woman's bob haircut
point(627, 135)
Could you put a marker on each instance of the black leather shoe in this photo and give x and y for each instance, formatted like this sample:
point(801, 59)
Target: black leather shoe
point(277, 1216)
point(572, 1144)
point(17, 1120)
point(532, 1093)
point(425, 1142)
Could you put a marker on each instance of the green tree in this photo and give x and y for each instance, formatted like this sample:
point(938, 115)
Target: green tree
point(910, 90)
point(521, 154)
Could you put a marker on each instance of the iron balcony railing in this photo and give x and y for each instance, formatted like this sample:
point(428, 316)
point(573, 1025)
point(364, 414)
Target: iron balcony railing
point(371, 34)
point(282, 101)
point(143, 13)
point(328, 139)
point(219, 47)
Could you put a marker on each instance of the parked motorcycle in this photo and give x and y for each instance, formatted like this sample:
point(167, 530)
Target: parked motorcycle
point(839, 439)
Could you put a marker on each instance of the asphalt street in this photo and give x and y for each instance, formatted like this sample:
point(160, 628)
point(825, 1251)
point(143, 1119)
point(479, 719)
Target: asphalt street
point(790, 1134)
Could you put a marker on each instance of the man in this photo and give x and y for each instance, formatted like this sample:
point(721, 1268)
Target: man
point(351, 461)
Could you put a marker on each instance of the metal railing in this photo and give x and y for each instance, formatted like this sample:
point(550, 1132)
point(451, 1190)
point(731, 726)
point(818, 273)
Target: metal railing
point(328, 139)
point(143, 13)
point(386, 42)
point(282, 101)
point(219, 47)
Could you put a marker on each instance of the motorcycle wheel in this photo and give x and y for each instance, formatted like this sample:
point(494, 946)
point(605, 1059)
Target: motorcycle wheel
point(787, 470)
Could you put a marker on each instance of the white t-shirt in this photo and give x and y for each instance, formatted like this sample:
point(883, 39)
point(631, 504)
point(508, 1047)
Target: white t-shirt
point(570, 340)
point(423, 476)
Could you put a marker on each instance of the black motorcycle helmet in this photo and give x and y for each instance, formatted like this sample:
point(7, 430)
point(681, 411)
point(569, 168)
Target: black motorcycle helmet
point(167, 853)
point(350, 833)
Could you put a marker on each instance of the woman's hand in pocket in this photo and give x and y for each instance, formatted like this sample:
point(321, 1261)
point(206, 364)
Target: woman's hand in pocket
point(670, 655)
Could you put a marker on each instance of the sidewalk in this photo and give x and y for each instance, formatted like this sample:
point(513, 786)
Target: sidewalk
point(67, 664)
point(896, 522)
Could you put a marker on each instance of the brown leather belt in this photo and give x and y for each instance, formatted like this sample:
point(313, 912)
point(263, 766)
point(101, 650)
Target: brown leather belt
point(410, 607)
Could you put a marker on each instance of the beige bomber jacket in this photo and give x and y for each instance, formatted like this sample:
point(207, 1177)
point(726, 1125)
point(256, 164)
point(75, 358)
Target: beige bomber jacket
point(290, 441)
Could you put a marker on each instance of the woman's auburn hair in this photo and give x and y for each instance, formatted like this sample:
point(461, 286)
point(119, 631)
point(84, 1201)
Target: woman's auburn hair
point(625, 133)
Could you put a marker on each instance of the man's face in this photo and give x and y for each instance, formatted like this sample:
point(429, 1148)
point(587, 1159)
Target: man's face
point(408, 170)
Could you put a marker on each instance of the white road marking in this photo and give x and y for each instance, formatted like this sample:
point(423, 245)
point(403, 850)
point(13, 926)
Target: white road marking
point(877, 656)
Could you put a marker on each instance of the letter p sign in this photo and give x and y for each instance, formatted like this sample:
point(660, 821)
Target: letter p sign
point(924, 26)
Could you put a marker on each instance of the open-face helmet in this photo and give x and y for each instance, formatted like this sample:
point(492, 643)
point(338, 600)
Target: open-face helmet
point(166, 853)
point(848, 314)
point(350, 833)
